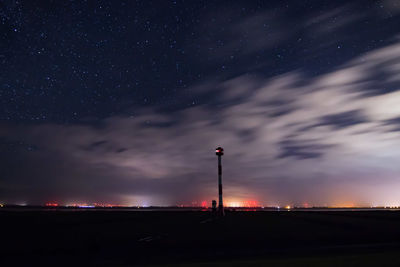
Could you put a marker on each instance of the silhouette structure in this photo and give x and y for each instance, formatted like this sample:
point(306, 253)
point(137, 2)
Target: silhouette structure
point(214, 206)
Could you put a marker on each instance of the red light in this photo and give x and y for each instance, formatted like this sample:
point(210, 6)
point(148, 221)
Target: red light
point(51, 204)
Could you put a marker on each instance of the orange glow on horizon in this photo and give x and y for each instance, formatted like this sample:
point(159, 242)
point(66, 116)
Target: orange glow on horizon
point(242, 203)
point(51, 204)
point(344, 205)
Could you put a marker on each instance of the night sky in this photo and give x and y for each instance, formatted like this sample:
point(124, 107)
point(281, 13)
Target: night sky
point(124, 102)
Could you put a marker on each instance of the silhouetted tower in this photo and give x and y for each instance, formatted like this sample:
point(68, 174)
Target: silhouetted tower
point(219, 151)
point(214, 206)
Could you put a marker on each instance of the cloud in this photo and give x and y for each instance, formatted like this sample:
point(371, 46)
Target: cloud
point(333, 20)
point(301, 149)
point(343, 119)
point(229, 35)
point(288, 139)
point(392, 6)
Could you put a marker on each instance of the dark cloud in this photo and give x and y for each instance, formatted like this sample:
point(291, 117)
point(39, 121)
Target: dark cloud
point(302, 149)
point(343, 119)
point(95, 145)
point(380, 79)
point(120, 150)
point(394, 123)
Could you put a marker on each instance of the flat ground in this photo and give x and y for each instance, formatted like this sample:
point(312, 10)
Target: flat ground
point(121, 237)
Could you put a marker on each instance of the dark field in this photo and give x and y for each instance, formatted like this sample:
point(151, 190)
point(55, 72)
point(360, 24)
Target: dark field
point(121, 237)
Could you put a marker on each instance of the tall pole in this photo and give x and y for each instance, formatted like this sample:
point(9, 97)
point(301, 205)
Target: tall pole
point(219, 152)
point(221, 204)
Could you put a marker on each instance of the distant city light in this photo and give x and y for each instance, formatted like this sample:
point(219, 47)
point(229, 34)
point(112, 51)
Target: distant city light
point(51, 204)
point(85, 205)
point(242, 204)
point(234, 204)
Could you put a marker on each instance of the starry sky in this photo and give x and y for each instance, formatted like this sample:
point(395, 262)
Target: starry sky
point(124, 102)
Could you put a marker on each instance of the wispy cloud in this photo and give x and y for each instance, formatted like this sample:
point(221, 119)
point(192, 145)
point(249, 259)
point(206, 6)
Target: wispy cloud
point(284, 138)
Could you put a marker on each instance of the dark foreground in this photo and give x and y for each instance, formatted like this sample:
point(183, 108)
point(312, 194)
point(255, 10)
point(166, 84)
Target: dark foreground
point(285, 238)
